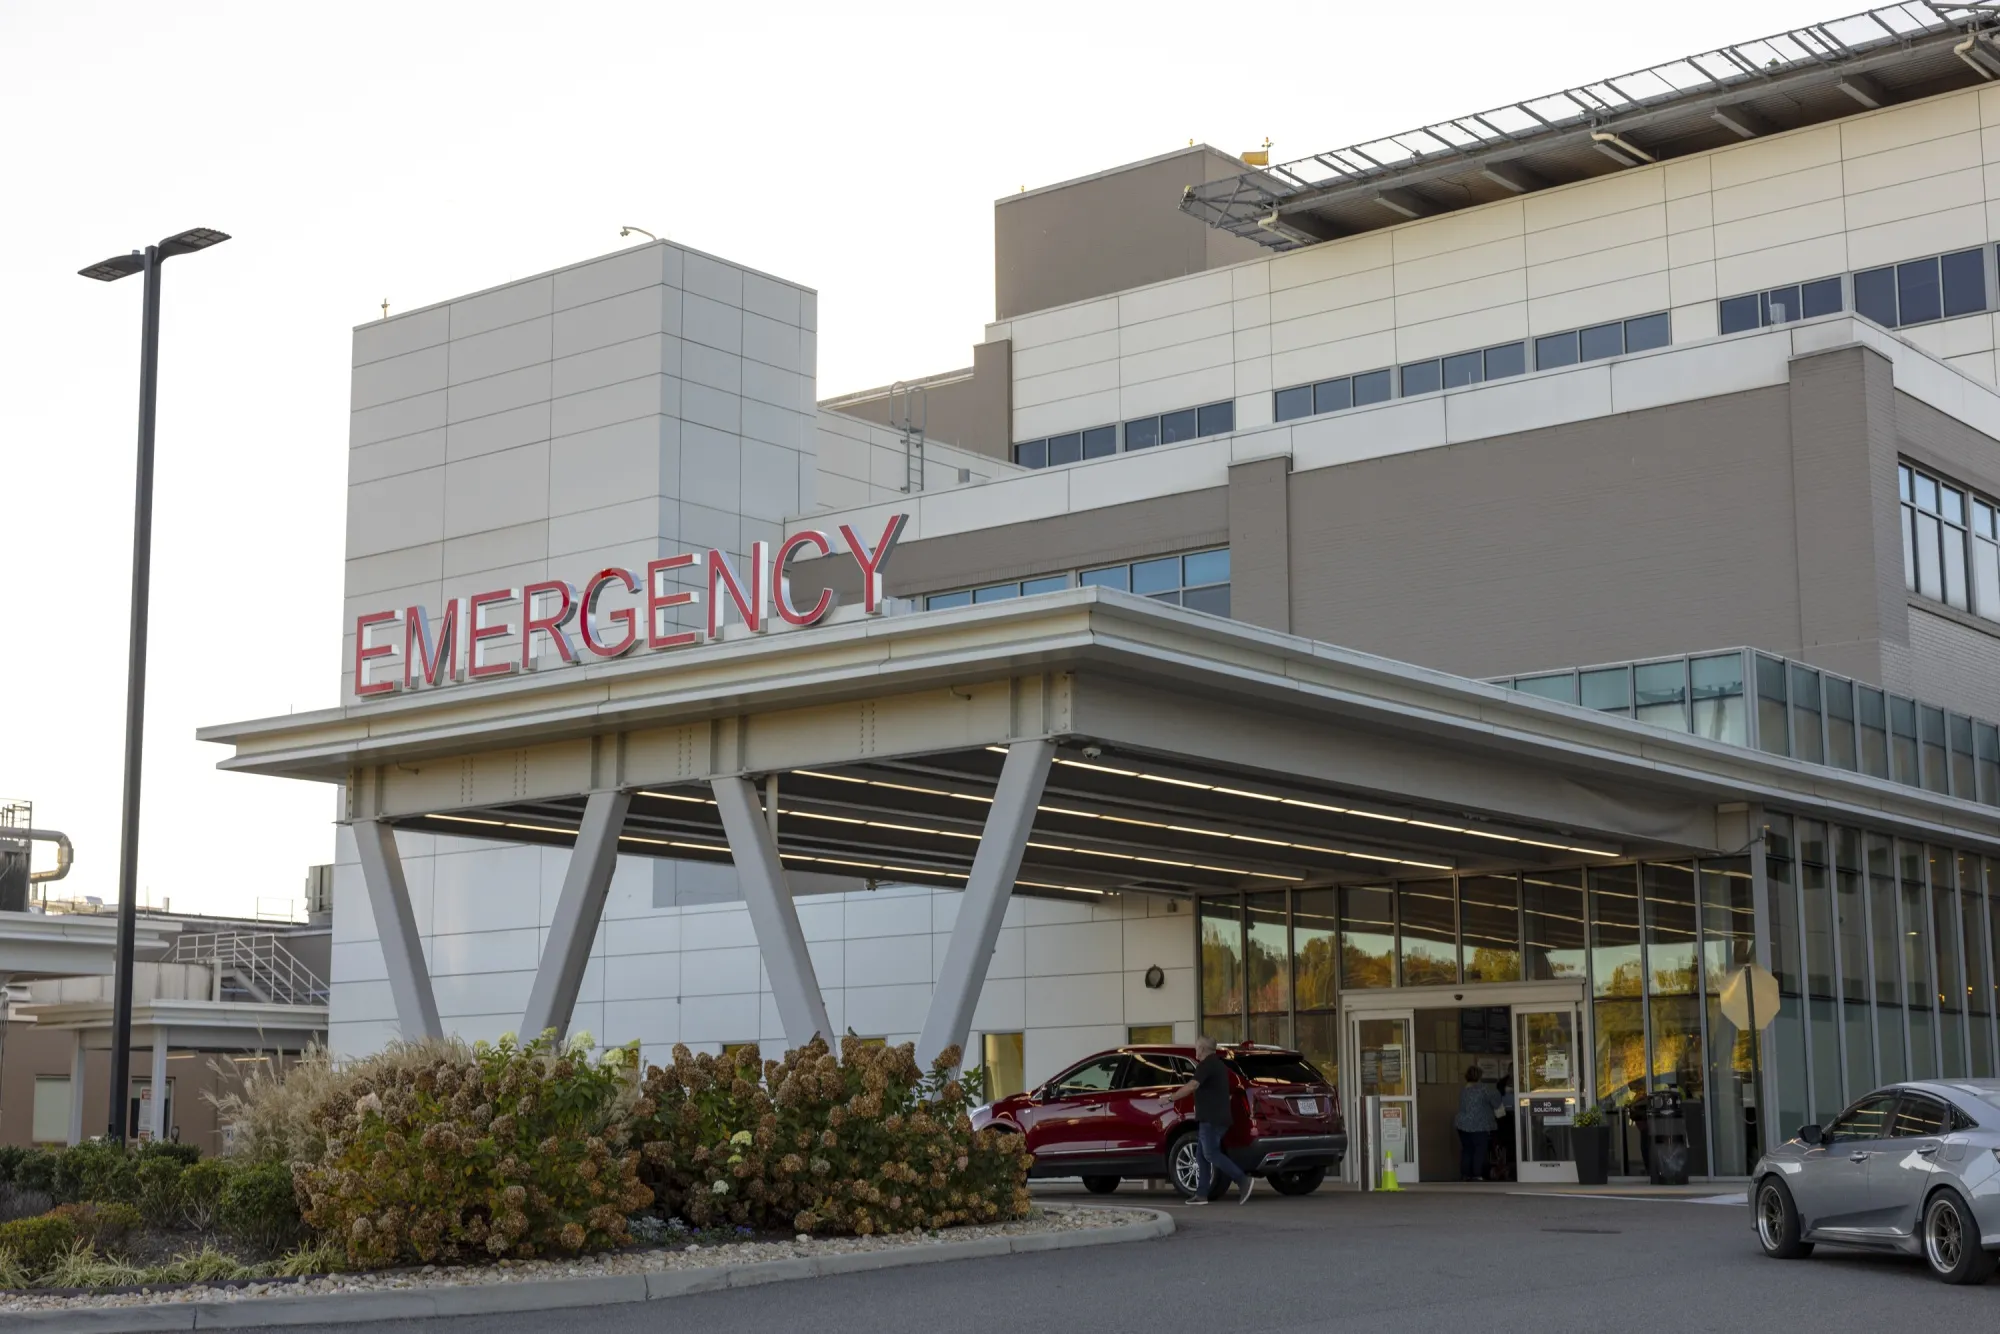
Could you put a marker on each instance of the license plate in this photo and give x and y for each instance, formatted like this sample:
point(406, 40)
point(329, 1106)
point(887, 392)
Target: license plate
point(1308, 1106)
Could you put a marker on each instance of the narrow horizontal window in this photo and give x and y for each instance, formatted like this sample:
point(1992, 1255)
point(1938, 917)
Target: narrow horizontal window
point(1740, 313)
point(1100, 441)
point(1217, 418)
point(1333, 395)
point(1032, 453)
point(1505, 360)
point(1918, 297)
point(1464, 368)
point(1554, 350)
point(1371, 388)
point(1065, 448)
point(1648, 332)
point(1054, 583)
point(1781, 305)
point(1964, 281)
point(1143, 433)
point(1600, 341)
point(1819, 298)
point(1293, 403)
point(1422, 377)
point(1875, 296)
point(1178, 426)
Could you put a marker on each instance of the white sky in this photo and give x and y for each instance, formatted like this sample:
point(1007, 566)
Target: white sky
point(416, 152)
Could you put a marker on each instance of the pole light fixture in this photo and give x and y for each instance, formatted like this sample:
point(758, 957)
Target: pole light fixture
point(148, 262)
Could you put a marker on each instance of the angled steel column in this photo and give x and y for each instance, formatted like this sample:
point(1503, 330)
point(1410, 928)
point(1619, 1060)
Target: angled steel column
point(773, 915)
point(987, 890)
point(396, 924)
point(578, 911)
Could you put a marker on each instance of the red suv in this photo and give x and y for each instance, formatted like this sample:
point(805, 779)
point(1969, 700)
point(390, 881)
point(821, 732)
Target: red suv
point(1111, 1117)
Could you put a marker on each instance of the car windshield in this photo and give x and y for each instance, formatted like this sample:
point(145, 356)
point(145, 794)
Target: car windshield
point(1274, 1067)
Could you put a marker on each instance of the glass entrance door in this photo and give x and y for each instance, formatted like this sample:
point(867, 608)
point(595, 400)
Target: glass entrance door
point(1547, 1075)
point(1383, 1059)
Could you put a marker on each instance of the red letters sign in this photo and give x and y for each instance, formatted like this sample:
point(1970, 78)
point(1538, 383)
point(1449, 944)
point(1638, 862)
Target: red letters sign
point(550, 614)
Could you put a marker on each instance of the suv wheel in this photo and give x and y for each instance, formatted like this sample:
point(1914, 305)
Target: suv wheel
point(1100, 1185)
point(1778, 1222)
point(1184, 1164)
point(1951, 1240)
point(1300, 1181)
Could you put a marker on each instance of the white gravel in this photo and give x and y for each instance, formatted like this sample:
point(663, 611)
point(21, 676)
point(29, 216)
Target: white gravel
point(639, 1260)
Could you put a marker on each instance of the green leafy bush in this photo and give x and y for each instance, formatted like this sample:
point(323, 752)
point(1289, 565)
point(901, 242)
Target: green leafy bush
point(100, 1226)
point(160, 1195)
point(97, 1169)
point(37, 1171)
point(172, 1150)
point(37, 1243)
point(864, 1144)
point(516, 1150)
point(258, 1207)
point(11, 1156)
point(201, 1185)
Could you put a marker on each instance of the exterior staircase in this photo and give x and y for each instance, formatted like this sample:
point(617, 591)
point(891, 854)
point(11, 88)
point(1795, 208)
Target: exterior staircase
point(251, 966)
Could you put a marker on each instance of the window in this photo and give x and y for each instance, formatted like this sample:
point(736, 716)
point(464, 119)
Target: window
point(1474, 367)
point(1199, 580)
point(1216, 418)
point(1781, 305)
point(1006, 1066)
point(1091, 1077)
point(1071, 447)
point(1918, 1116)
point(1142, 434)
point(1422, 377)
point(51, 1112)
point(1152, 1069)
point(1936, 287)
point(1867, 1119)
point(1178, 426)
point(1150, 1034)
point(1271, 1067)
point(1951, 549)
point(1349, 391)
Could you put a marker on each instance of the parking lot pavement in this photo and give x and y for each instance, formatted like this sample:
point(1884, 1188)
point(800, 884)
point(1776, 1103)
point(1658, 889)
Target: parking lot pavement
point(1336, 1260)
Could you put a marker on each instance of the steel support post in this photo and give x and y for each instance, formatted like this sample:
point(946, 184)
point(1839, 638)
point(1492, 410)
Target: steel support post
point(156, 1116)
point(396, 925)
point(773, 915)
point(984, 903)
point(585, 886)
point(76, 1072)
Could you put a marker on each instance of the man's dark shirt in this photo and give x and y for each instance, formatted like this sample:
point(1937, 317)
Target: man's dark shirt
point(1211, 1092)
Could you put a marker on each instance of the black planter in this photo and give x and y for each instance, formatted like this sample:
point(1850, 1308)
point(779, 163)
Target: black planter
point(1593, 1153)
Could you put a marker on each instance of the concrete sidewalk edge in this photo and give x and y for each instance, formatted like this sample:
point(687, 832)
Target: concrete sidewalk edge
point(550, 1294)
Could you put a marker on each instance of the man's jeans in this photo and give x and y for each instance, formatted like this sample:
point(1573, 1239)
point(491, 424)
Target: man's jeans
point(1212, 1153)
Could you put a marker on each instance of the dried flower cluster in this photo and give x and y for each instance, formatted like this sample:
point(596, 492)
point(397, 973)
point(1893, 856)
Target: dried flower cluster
point(863, 1144)
point(514, 1150)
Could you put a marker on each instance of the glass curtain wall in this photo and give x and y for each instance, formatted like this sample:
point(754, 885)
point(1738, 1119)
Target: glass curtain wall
point(1884, 951)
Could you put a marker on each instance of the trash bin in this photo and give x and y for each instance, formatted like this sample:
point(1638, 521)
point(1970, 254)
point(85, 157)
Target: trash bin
point(1667, 1138)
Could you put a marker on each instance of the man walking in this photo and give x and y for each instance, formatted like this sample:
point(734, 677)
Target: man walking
point(1210, 1087)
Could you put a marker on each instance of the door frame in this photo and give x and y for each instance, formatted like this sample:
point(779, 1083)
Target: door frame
point(1579, 1073)
point(1385, 1002)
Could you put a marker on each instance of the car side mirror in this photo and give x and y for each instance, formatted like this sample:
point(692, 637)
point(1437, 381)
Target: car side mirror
point(1047, 1093)
point(1811, 1134)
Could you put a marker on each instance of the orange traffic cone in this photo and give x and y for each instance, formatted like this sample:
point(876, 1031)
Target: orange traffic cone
point(1389, 1171)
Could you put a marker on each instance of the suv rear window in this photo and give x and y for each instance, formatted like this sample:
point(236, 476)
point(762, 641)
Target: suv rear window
point(1276, 1067)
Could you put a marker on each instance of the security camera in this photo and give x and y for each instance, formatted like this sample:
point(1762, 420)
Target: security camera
point(1093, 752)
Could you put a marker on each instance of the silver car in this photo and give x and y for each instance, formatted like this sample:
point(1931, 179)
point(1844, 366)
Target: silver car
point(1913, 1167)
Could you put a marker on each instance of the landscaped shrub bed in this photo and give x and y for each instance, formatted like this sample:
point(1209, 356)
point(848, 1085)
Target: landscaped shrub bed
point(439, 1152)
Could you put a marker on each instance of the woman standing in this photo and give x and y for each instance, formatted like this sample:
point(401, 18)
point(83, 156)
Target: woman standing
point(1477, 1103)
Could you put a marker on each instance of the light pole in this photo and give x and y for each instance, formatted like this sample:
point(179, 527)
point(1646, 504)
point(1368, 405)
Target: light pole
point(148, 262)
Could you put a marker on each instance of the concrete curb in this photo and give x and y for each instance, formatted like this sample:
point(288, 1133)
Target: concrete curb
point(550, 1294)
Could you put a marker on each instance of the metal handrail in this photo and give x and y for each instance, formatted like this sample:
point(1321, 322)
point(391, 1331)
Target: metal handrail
point(258, 956)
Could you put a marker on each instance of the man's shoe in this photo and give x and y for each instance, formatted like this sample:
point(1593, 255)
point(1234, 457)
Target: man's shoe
point(1249, 1184)
point(1199, 1199)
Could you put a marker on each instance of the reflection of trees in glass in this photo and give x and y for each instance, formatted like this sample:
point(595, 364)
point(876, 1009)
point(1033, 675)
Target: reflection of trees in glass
point(1677, 979)
point(1625, 980)
point(1491, 964)
point(1621, 1051)
point(1315, 977)
point(1677, 1045)
point(1267, 967)
point(1221, 968)
point(1359, 968)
